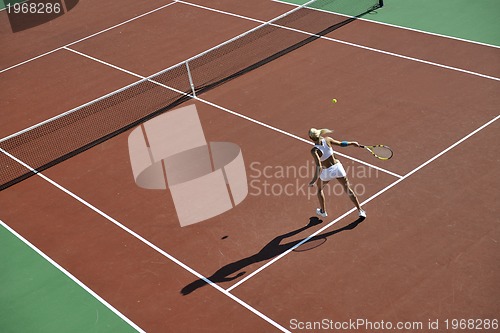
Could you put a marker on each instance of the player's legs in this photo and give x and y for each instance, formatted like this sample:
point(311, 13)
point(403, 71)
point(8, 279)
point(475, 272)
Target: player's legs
point(347, 187)
point(321, 197)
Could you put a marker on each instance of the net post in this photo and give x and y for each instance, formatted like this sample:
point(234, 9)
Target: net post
point(190, 79)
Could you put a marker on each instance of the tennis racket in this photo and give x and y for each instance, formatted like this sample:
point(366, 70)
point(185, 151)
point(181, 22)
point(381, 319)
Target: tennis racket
point(381, 152)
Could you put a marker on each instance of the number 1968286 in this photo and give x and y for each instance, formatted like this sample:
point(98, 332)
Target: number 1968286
point(34, 8)
point(471, 324)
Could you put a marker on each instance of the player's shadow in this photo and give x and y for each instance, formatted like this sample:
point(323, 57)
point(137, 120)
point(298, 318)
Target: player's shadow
point(269, 251)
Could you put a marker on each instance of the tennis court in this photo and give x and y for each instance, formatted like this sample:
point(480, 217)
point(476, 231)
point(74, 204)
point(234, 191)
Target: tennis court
point(86, 247)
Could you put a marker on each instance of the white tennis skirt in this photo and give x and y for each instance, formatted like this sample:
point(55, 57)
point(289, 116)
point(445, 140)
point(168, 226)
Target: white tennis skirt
point(335, 171)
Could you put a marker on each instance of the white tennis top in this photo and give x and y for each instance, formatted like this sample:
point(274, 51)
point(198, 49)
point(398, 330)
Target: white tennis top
point(326, 150)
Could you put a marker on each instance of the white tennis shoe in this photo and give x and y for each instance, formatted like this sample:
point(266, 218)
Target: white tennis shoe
point(320, 213)
point(362, 213)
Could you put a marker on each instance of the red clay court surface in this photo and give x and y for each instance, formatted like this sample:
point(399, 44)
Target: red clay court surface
point(427, 250)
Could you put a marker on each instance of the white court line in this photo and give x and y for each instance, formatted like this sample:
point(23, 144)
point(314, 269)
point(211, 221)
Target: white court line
point(69, 111)
point(148, 243)
point(227, 291)
point(85, 38)
point(397, 55)
point(269, 263)
point(260, 21)
point(227, 110)
point(295, 136)
point(395, 26)
point(72, 277)
point(239, 16)
point(243, 17)
point(118, 90)
point(151, 245)
point(137, 17)
point(353, 44)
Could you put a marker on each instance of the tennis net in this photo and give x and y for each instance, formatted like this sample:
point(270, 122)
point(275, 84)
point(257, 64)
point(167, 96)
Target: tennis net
point(77, 130)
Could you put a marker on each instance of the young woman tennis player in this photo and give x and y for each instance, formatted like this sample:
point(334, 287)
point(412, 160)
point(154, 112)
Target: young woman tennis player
point(328, 168)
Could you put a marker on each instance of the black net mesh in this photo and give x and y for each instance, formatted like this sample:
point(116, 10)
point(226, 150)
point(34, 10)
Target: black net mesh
point(80, 129)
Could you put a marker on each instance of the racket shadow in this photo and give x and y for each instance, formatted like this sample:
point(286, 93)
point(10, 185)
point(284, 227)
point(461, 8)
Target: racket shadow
point(272, 249)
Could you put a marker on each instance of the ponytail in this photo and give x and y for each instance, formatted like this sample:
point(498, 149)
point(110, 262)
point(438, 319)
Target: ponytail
point(324, 131)
point(315, 134)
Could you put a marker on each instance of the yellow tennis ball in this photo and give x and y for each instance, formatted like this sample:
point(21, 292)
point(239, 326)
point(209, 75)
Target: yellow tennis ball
point(334, 101)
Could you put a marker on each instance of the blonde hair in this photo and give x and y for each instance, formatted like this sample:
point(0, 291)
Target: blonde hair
point(316, 134)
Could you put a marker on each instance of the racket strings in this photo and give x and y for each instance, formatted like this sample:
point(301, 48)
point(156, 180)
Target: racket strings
point(381, 151)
